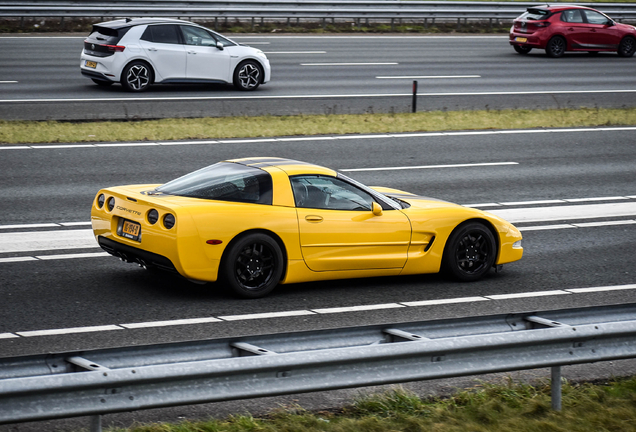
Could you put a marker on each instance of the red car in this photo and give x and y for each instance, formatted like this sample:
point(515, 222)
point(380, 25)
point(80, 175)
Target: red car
point(561, 28)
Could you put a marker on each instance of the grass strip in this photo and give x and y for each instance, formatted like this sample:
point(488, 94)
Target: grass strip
point(503, 407)
point(22, 132)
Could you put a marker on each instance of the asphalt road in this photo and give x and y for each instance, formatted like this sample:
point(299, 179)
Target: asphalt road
point(571, 192)
point(40, 79)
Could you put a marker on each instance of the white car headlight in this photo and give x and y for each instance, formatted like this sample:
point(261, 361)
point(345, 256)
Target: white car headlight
point(260, 54)
point(517, 244)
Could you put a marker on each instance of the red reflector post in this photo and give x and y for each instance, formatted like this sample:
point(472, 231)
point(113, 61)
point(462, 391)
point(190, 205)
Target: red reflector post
point(214, 242)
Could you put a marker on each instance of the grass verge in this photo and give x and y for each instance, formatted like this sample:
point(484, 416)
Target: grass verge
point(504, 407)
point(21, 132)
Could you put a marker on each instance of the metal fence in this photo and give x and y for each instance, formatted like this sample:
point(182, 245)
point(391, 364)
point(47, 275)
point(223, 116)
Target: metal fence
point(287, 9)
point(112, 380)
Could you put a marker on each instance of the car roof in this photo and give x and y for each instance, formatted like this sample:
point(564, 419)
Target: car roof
point(559, 7)
point(131, 22)
point(290, 166)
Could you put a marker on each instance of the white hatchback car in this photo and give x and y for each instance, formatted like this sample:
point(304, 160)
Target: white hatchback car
point(143, 51)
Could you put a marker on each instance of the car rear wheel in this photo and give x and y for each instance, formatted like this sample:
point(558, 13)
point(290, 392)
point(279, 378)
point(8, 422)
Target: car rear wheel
point(627, 47)
point(102, 83)
point(522, 49)
point(253, 265)
point(470, 252)
point(556, 47)
point(136, 76)
point(248, 75)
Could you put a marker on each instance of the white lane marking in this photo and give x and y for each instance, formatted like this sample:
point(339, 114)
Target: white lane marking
point(17, 259)
point(35, 225)
point(601, 289)
point(526, 295)
point(577, 200)
point(72, 224)
point(562, 213)
point(8, 82)
point(47, 240)
point(428, 76)
point(545, 227)
point(313, 96)
point(73, 256)
point(357, 308)
point(430, 166)
point(350, 64)
point(578, 225)
point(266, 315)
point(444, 301)
point(70, 330)
point(187, 321)
point(516, 203)
point(205, 320)
point(296, 52)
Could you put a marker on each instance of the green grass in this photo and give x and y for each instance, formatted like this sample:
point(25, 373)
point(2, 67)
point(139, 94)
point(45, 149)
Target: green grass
point(21, 132)
point(507, 407)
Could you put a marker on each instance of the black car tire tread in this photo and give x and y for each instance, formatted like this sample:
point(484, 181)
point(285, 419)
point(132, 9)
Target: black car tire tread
point(556, 47)
point(143, 71)
point(627, 47)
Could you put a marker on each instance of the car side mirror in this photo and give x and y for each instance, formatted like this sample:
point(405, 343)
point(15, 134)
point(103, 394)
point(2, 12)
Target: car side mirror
point(219, 45)
point(376, 209)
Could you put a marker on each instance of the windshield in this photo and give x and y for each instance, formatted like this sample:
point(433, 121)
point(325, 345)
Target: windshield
point(225, 181)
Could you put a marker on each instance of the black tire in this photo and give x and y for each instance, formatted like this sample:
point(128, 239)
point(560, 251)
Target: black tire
point(470, 252)
point(137, 76)
point(248, 75)
point(556, 47)
point(627, 47)
point(102, 83)
point(252, 266)
point(522, 49)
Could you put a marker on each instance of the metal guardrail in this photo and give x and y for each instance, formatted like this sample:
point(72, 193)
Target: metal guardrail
point(287, 9)
point(124, 379)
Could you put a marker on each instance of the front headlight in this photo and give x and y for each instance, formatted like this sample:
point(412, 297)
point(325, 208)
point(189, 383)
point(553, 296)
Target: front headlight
point(260, 54)
point(517, 244)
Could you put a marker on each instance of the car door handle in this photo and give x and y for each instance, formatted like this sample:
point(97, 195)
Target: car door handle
point(192, 52)
point(313, 218)
point(153, 49)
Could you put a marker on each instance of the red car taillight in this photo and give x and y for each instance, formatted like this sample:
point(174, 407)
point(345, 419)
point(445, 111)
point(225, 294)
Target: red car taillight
point(542, 24)
point(115, 48)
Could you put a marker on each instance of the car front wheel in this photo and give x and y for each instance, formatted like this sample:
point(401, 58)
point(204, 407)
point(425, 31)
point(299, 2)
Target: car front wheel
point(556, 47)
point(252, 266)
point(248, 75)
point(522, 49)
point(627, 47)
point(136, 76)
point(470, 252)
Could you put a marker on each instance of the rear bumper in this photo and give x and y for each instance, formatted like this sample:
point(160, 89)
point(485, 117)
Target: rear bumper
point(530, 42)
point(134, 255)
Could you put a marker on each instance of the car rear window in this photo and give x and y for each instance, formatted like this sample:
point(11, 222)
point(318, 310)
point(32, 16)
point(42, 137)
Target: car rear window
point(107, 35)
point(224, 181)
point(535, 14)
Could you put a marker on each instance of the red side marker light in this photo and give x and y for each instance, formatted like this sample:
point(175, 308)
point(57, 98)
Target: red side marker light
point(214, 242)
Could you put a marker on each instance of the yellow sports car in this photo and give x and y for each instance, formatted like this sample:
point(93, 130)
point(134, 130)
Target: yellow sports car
point(256, 222)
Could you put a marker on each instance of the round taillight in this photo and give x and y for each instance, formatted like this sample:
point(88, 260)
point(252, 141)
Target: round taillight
point(153, 216)
point(100, 200)
point(110, 203)
point(168, 221)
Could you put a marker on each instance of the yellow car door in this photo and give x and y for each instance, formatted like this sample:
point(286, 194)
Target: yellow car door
point(342, 227)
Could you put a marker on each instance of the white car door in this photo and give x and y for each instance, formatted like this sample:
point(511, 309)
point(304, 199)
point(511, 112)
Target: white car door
point(204, 60)
point(164, 49)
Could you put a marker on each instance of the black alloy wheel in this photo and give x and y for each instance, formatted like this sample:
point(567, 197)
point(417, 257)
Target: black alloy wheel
point(136, 76)
point(522, 49)
point(627, 47)
point(470, 252)
point(252, 266)
point(556, 47)
point(248, 75)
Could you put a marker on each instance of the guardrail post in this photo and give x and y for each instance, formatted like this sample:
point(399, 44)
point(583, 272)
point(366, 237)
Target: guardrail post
point(556, 388)
point(414, 100)
point(96, 423)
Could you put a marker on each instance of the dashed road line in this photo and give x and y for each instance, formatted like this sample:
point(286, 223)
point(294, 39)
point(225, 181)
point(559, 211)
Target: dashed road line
point(318, 311)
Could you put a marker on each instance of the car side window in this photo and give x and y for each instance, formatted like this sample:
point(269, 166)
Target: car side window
point(572, 16)
point(164, 33)
point(329, 193)
point(596, 18)
point(197, 36)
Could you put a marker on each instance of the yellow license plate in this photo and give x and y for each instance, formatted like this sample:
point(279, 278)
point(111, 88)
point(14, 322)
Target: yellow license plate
point(90, 64)
point(520, 39)
point(131, 230)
